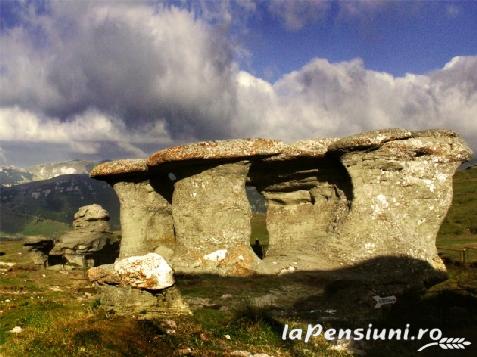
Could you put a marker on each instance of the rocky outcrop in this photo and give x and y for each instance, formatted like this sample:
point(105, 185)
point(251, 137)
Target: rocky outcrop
point(90, 242)
point(402, 189)
point(141, 285)
point(331, 203)
point(39, 248)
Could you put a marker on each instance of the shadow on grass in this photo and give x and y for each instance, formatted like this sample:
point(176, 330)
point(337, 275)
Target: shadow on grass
point(344, 298)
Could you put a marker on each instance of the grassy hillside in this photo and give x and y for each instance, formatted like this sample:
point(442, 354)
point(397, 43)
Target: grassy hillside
point(459, 229)
point(60, 314)
point(45, 206)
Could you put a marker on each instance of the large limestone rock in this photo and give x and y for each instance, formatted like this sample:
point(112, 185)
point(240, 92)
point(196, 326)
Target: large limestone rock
point(146, 218)
point(307, 197)
point(91, 240)
point(217, 150)
point(331, 203)
point(402, 189)
point(145, 212)
point(211, 212)
point(150, 271)
point(91, 217)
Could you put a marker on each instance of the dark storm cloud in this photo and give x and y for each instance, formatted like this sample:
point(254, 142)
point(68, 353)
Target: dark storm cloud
point(127, 77)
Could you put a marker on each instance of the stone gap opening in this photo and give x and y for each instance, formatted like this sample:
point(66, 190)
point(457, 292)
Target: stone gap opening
point(307, 199)
point(259, 232)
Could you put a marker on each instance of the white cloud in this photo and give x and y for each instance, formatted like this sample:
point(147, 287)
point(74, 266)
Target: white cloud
point(296, 14)
point(124, 59)
point(334, 99)
point(127, 74)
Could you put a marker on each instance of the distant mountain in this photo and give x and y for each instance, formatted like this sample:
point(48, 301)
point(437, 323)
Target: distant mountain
point(11, 175)
point(52, 201)
point(42, 199)
point(47, 171)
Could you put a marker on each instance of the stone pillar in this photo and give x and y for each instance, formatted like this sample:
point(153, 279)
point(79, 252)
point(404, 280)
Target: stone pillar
point(212, 219)
point(146, 219)
point(402, 191)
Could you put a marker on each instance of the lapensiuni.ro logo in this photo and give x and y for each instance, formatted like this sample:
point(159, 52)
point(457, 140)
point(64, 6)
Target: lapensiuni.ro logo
point(371, 333)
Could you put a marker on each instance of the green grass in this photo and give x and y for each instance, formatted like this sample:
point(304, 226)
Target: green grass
point(459, 229)
point(58, 323)
point(45, 227)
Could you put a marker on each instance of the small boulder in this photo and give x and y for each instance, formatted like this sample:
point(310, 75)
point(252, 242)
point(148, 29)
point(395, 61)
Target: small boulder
point(150, 271)
point(91, 240)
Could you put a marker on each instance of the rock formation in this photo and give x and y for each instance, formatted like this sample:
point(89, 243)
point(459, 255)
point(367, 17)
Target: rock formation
point(39, 248)
point(331, 203)
point(91, 240)
point(140, 285)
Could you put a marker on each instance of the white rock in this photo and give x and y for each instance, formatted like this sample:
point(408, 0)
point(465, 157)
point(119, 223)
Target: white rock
point(216, 256)
point(16, 329)
point(150, 271)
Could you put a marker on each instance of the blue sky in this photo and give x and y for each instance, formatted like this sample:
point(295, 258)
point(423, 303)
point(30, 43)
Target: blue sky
point(400, 37)
point(108, 79)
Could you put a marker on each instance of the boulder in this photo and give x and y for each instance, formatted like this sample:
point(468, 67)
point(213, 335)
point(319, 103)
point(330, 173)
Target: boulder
point(150, 272)
point(91, 240)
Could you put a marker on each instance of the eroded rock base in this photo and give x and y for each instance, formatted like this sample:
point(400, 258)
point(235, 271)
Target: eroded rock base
point(125, 300)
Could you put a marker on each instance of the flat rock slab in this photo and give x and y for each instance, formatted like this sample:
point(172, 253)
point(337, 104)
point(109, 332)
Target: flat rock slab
point(119, 167)
point(217, 150)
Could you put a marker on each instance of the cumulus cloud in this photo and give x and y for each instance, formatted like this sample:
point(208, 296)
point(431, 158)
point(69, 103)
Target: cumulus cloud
point(127, 60)
point(131, 78)
point(334, 99)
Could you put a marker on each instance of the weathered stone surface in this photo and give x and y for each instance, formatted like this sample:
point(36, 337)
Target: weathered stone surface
point(311, 148)
point(90, 238)
point(401, 193)
point(211, 212)
point(306, 200)
point(104, 274)
point(369, 139)
point(92, 212)
point(119, 167)
point(91, 217)
point(150, 271)
point(331, 203)
point(146, 218)
point(39, 248)
point(217, 150)
point(125, 300)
